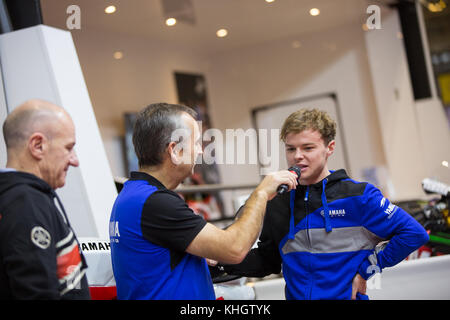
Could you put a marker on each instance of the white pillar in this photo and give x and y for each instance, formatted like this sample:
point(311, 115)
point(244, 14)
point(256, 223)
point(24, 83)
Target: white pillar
point(41, 62)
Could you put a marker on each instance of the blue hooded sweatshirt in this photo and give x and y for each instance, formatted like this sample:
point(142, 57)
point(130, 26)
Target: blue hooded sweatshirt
point(324, 234)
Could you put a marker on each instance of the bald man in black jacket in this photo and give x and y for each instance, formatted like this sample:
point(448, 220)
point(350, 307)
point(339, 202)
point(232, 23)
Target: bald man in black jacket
point(40, 256)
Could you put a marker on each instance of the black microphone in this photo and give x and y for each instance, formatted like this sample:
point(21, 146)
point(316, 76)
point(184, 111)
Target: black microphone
point(284, 187)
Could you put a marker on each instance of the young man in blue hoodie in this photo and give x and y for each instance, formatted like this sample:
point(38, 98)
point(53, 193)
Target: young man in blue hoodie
point(329, 234)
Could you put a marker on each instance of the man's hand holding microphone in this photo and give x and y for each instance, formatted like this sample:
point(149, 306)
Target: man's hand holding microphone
point(280, 182)
point(231, 245)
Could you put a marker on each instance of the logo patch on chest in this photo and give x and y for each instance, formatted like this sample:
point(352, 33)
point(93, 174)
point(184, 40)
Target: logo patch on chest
point(334, 213)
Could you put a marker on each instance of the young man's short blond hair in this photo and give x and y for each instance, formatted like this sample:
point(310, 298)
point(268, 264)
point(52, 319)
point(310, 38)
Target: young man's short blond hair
point(305, 119)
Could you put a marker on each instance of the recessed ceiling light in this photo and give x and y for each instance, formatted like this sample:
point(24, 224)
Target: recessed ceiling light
point(110, 9)
point(296, 44)
point(171, 22)
point(270, 1)
point(314, 12)
point(118, 55)
point(445, 163)
point(222, 33)
point(435, 6)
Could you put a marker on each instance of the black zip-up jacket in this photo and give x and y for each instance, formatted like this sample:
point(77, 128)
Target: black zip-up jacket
point(39, 252)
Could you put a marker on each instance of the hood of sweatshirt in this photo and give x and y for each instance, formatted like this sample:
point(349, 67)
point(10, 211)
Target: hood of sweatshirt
point(11, 179)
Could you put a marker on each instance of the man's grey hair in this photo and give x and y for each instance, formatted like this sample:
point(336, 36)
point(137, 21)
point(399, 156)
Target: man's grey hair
point(153, 131)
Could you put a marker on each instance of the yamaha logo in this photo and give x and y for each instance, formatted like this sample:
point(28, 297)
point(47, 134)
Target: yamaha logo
point(40, 237)
point(390, 210)
point(335, 213)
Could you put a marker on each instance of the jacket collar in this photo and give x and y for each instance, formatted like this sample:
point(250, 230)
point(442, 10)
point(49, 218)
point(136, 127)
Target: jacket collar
point(10, 179)
point(334, 176)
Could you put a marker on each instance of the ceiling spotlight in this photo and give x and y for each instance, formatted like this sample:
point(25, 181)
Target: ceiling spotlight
point(296, 44)
point(434, 5)
point(445, 163)
point(314, 12)
point(110, 9)
point(171, 22)
point(118, 55)
point(222, 33)
point(270, 1)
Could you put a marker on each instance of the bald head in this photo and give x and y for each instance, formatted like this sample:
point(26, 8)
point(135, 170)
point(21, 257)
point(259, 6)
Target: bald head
point(30, 117)
point(40, 139)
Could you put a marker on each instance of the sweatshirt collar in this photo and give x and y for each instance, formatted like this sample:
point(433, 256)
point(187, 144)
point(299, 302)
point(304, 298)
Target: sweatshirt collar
point(335, 175)
point(12, 178)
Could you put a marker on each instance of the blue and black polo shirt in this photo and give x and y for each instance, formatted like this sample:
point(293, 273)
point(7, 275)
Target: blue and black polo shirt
point(150, 229)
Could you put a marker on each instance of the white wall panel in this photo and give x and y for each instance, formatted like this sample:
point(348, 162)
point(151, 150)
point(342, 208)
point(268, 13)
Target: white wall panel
point(41, 62)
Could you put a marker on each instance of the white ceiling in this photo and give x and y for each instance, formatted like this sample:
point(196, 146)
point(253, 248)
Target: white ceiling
point(248, 21)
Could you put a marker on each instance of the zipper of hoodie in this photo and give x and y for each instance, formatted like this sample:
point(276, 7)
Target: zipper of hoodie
point(308, 239)
point(307, 216)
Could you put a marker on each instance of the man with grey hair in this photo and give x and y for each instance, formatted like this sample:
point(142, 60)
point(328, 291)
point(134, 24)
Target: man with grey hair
point(39, 252)
point(158, 244)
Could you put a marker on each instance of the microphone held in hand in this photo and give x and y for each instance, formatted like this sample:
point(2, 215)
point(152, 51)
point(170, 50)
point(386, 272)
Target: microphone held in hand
point(284, 187)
